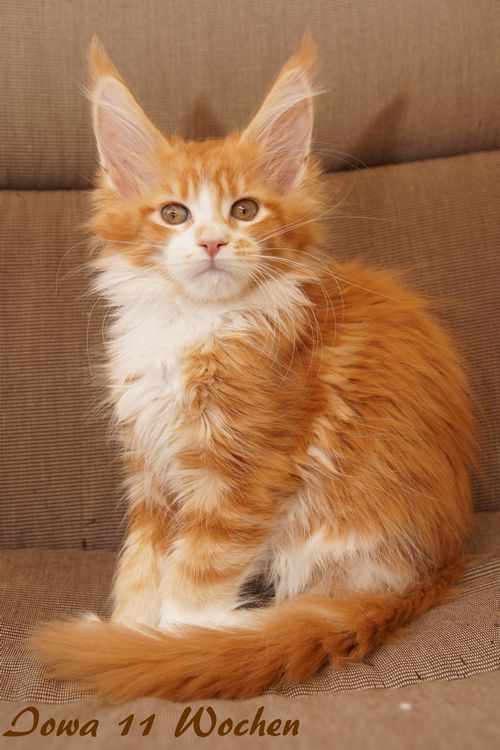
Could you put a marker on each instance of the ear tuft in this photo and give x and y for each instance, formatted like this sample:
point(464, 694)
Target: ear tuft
point(100, 64)
point(283, 125)
point(126, 139)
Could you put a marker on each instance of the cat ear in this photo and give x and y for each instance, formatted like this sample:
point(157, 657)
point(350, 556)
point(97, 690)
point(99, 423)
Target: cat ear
point(283, 125)
point(126, 139)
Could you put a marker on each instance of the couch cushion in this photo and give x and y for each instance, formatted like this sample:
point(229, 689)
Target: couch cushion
point(58, 476)
point(454, 640)
point(404, 79)
point(60, 473)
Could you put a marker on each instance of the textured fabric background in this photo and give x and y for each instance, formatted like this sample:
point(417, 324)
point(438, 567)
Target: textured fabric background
point(405, 79)
point(60, 474)
point(454, 640)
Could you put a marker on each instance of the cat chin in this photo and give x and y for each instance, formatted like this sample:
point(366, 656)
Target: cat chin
point(212, 287)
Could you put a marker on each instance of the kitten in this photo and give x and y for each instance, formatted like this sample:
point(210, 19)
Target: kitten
point(283, 419)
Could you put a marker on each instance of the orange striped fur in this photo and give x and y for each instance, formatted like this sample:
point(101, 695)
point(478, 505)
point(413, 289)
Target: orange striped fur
point(287, 422)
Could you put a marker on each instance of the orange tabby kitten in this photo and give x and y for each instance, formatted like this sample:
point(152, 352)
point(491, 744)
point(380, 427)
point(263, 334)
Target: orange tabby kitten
point(284, 420)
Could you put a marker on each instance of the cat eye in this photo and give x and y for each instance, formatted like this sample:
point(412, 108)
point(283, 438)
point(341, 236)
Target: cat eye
point(245, 209)
point(174, 213)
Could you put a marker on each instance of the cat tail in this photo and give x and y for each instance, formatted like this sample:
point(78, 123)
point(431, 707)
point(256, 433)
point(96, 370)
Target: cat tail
point(286, 643)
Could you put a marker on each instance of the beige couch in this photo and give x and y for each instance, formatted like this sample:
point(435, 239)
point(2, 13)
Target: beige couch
point(409, 133)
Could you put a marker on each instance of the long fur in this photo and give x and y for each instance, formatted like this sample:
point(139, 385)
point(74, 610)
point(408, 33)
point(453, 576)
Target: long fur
point(289, 425)
point(290, 644)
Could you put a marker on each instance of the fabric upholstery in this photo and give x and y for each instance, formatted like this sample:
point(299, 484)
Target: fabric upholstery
point(60, 480)
point(454, 640)
point(403, 79)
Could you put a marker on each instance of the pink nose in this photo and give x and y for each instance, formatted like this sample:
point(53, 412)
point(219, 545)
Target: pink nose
point(212, 247)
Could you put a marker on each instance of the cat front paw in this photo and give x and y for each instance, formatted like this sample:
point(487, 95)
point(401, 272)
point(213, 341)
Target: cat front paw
point(89, 617)
point(172, 619)
point(132, 617)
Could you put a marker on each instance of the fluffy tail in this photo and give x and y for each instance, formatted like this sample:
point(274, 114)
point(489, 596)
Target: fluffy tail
point(288, 643)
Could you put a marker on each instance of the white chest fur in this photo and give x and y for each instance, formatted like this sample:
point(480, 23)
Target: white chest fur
point(150, 382)
point(152, 334)
point(150, 341)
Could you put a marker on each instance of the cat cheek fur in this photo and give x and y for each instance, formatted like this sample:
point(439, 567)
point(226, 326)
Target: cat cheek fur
point(313, 429)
